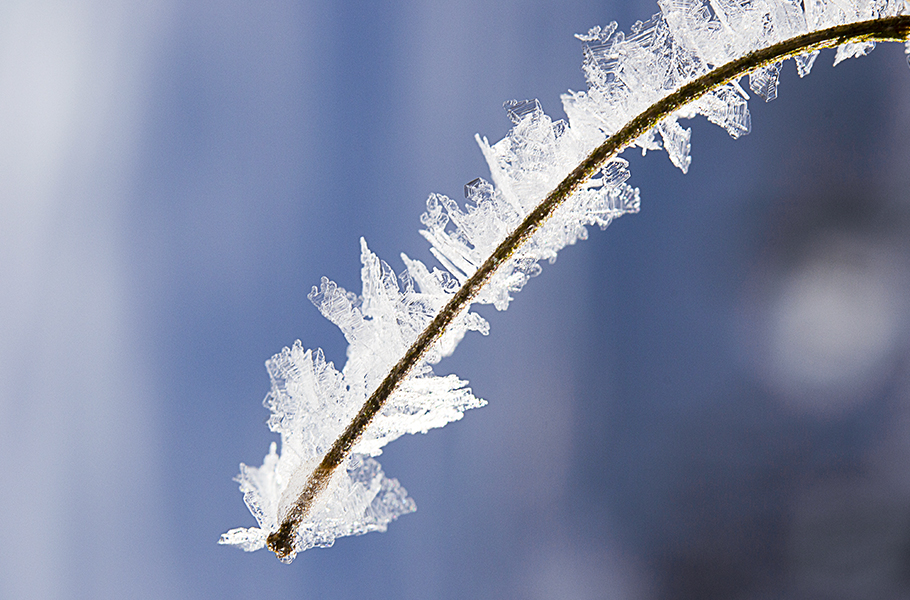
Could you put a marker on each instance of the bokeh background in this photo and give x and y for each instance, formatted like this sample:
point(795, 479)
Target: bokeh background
point(711, 399)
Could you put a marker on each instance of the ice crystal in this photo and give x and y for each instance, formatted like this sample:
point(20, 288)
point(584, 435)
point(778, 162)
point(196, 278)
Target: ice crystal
point(764, 81)
point(311, 402)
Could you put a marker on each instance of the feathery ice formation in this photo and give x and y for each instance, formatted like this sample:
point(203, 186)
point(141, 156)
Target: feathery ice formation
point(312, 402)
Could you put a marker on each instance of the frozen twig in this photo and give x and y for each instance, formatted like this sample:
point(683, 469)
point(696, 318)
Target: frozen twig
point(896, 28)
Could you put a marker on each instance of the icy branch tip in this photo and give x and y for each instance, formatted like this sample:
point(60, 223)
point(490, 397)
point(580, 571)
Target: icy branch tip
point(488, 256)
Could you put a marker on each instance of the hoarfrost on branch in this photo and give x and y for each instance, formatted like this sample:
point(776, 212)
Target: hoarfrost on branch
point(311, 402)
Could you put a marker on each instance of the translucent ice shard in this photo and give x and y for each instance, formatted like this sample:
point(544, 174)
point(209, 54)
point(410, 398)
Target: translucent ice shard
point(518, 109)
point(726, 107)
point(845, 51)
point(804, 63)
point(764, 81)
point(676, 142)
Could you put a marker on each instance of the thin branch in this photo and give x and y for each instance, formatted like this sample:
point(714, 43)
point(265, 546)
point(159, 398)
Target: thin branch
point(281, 542)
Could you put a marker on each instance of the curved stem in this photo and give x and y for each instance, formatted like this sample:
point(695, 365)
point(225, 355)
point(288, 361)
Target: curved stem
point(887, 29)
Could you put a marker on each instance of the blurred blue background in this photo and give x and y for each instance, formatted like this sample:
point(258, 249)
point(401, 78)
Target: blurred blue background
point(711, 399)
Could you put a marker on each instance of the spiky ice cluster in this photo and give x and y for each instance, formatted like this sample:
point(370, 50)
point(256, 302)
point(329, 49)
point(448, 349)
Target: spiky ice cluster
point(312, 402)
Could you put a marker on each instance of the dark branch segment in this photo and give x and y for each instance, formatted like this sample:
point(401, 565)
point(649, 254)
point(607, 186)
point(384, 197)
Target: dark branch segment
point(891, 29)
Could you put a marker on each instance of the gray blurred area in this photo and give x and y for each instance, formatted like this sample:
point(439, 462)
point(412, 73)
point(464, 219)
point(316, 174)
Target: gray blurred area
point(708, 400)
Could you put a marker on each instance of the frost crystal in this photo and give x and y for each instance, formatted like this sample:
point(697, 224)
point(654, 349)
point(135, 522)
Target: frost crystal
point(804, 63)
point(312, 403)
point(764, 81)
